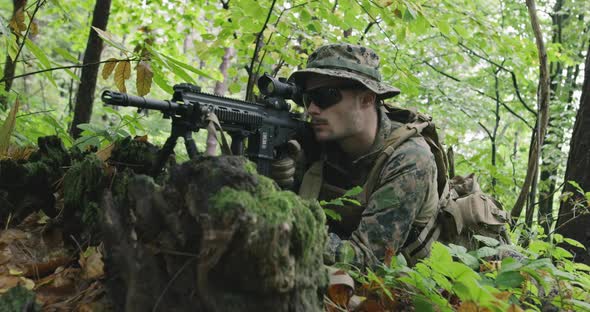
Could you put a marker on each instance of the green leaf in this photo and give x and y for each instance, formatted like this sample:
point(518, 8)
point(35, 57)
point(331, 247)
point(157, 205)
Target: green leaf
point(332, 214)
point(44, 61)
point(509, 279)
point(94, 128)
point(510, 264)
point(110, 39)
point(187, 66)
point(352, 201)
point(461, 253)
point(576, 186)
point(584, 306)
point(353, 191)
point(484, 252)
point(560, 253)
point(444, 27)
point(7, 128)
point(421, 304)
point(491, 242)
point(66, 55)
point(440, 254)
point(574, 243)
point(12, 46)
point(581, 267)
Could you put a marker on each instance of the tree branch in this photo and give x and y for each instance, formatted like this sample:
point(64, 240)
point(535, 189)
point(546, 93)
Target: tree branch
point(543, 116)
point(480, 93)
point(64, 67)
point(251, 76)
point(38, 5)
point(512, 75)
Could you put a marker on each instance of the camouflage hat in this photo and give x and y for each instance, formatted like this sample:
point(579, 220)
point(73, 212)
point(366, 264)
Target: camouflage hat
point(350, 62)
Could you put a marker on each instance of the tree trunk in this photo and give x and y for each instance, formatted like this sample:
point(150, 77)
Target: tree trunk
point(85, 94)
point(10, 64)
point(542, 115)
point(221, 86)
point(571, 223)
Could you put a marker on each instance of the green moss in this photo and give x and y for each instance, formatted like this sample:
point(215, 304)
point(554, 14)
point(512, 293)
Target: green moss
point(250, 167)
point(276, 207)
point(83, 185)
point(18, 299)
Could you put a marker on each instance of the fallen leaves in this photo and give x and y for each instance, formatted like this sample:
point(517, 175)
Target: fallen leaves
point(33, 256)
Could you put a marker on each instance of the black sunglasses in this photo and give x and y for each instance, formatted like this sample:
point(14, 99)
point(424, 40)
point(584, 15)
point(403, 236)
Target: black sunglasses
point(325, 97)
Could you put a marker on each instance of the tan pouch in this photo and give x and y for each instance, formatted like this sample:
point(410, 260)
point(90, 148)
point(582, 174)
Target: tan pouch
point(477, 208)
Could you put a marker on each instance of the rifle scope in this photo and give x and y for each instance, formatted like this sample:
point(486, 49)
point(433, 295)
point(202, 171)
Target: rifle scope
point(280, 87)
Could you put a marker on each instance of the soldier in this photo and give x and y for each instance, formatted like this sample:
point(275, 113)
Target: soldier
point(343, 95)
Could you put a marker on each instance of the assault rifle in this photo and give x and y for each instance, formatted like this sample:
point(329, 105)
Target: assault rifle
point(267, 125)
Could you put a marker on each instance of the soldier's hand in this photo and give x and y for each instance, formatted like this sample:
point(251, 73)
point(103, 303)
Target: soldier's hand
point(283, 170)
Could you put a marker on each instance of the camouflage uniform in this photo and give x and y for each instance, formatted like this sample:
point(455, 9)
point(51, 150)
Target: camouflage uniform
point(406, 194)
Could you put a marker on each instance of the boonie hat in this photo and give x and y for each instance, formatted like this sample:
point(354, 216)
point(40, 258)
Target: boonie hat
point(350, 62)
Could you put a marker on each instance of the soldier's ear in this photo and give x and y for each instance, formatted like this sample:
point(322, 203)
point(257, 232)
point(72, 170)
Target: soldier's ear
point(368, 98)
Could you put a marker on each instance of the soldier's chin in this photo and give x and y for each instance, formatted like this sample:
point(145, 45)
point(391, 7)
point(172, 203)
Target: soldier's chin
point(322, 136)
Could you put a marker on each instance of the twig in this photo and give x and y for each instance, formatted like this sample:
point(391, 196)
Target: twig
point(251, 77)
point(480, 93)
point(35, 113)
point(171, 281)
point(64, 67)
point(512, 75)
point(38, 5)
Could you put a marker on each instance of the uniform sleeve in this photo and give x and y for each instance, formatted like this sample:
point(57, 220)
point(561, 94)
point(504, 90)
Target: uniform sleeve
point(406, 184)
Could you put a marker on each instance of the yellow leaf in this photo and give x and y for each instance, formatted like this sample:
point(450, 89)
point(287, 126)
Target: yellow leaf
point(105, 153)
point(144, 78)
point(91, 263)
point(34, 28)
point(122, 72)
point(7, 128)
point(13, 25)
point(14, 271)
point(27, 283)
point(108, 67)
point(20, 20)
point(125, 68)
point(143, 138)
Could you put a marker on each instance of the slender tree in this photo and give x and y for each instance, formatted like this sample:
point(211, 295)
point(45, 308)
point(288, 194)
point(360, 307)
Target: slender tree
point(573, 214)
point(85, 93)
point(10, 64)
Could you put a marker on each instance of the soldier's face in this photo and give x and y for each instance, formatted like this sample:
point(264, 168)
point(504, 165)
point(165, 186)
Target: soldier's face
point(334, 108)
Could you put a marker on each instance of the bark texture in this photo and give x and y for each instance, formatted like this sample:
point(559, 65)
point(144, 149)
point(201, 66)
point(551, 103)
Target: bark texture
point(573, 214)
point(85, 93)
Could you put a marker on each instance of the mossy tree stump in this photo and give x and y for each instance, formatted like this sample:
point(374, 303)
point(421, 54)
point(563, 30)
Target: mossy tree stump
point(214, 236)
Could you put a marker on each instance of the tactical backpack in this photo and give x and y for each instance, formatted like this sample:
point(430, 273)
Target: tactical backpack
point(463, 210)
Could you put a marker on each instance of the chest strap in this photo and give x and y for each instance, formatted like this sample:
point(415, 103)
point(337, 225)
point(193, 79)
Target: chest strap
point(397, 137)
point(311, 184)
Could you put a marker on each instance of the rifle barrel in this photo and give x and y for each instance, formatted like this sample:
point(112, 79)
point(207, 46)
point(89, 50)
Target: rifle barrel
point(123, 99)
